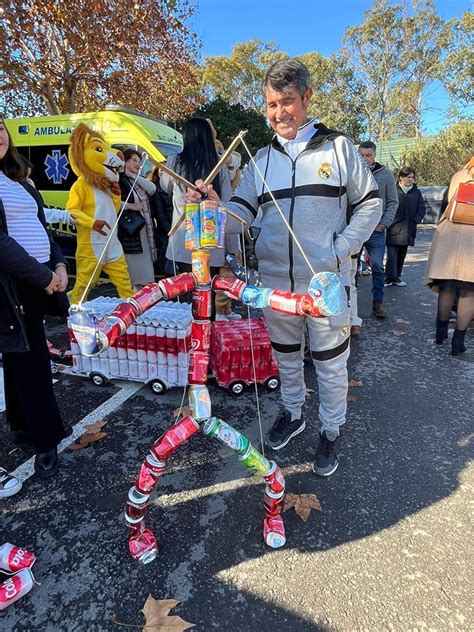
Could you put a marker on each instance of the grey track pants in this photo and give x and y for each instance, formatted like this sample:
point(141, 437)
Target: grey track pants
point(329, 344)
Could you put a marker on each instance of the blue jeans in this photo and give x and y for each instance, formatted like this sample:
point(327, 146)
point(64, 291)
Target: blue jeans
point(376, 249)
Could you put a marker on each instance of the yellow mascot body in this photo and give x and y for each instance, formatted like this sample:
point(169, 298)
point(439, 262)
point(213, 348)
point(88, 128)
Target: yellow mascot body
point(94, 200)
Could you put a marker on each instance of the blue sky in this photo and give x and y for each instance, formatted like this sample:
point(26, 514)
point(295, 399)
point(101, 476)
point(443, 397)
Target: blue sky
point(300, 26)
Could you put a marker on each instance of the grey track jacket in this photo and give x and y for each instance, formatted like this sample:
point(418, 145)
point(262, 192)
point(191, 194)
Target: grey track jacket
point(387, 191)
point(313, 192)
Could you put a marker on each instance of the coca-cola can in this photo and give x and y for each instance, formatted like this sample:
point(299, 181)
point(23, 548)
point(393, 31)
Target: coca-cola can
point(202, 303)
point(150, 472)
point(199, 401)
point(171, 347)
point(198, 366)
point(14, 558)
point(291, 303)
point(174, 286)
point(15, 587)
point(137, 504)
point(275, 480)
point(126, 313)
point(274, 531)
point(146, 297)
point(230, 285)
point(173, 438)
point(201, 335)
point(143, 546)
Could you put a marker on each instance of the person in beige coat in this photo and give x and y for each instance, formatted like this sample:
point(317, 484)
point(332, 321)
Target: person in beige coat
point(450, 268)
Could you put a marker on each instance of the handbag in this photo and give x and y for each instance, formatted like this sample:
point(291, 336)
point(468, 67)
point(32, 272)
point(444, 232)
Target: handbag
point(131, 223)
point(461, 208)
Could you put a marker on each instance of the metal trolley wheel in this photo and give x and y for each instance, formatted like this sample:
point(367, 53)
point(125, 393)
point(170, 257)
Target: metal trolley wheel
point(237, 388)
point(272, 383)
point(54, 368)
point(158, 387)
point(98, 379)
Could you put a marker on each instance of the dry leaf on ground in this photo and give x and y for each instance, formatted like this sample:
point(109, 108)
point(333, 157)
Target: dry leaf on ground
point(182, 411)
point(157, 617)
point(394, 332)
point(400, 321)
point(351, 398)
point(302, 503)
point(88, 439)
point(357, 383)
point(309, 392)
point(96, 427)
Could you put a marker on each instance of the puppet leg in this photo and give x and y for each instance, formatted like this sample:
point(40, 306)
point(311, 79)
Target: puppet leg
point(118, 274)
point(142, 543)
point(273, 527)
point(84, 270)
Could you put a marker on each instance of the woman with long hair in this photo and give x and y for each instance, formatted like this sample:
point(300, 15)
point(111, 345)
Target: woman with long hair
point(196, 160)
point(31, 268)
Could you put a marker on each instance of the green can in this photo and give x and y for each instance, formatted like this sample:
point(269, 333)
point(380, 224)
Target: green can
point(221, 430)
point(255, 461)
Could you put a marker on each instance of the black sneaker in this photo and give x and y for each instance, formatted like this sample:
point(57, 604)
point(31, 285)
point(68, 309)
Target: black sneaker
point(284, 429)
point(327, 455)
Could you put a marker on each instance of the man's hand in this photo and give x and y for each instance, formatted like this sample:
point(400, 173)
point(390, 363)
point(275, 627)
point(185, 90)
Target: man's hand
point(194, 197)
point(99, 226)
point(379, 228)
point(61, 273)
point(53, 284)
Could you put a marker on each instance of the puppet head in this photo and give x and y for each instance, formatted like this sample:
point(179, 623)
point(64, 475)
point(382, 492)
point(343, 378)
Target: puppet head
point(94, 159)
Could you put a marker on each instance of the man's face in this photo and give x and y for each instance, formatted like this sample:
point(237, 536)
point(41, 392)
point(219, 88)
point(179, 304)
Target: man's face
point(286, 111)
point(368, 155)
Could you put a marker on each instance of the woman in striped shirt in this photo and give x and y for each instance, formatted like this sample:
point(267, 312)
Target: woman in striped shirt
point(31, 267)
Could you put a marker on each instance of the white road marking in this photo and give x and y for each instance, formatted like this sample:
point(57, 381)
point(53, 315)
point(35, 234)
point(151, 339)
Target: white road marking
point(127, 389)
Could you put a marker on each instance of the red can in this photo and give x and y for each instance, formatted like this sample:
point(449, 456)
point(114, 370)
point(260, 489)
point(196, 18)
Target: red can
point(146, 297)
point(198, 366)
point(174, 286)
point(201, 335)
point(126, 313)
point(173, 438)
point(275, 480)
point(148, 477)
point(202, 301)
point(143, 546)
point(15, 587)
point(273, 504)
point(230, 285)
point(14, 558)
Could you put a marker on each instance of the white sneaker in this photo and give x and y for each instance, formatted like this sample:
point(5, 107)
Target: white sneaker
point(399, 283)
point(388, 283)
point(366, 272)
point(9, 485)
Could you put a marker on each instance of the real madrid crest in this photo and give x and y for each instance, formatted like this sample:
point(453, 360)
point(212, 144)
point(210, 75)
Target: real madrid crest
point(325, 171)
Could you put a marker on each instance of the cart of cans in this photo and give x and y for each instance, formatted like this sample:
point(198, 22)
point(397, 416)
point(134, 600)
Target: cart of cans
point(154, 350)
point(241, 354)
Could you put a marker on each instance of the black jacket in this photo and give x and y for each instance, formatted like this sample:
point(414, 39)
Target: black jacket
point(17, 265)
point(130, 245)
point(410, 212)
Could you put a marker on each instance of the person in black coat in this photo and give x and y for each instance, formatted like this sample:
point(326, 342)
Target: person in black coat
point(32, 271)
point(161, 205)
point(402, 232)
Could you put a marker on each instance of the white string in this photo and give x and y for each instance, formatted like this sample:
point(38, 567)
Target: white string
point(279, 209)
point(112, 230)
point(257, 400)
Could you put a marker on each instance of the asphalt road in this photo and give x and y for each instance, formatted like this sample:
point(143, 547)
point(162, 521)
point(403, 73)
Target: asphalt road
point(391, 550)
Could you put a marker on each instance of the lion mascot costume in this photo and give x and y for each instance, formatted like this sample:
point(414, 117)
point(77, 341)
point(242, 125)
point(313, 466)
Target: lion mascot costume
point(94, 201)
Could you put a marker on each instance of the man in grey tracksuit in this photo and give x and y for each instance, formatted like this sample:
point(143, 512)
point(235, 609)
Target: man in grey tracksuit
point(313, 173)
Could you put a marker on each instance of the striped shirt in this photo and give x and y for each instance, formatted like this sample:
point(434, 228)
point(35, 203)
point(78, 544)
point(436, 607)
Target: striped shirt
point(21, 212)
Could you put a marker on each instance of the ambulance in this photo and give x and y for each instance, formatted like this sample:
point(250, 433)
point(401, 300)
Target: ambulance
point(44, 140)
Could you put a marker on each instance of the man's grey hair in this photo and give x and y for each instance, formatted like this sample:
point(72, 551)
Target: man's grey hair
point(287, 73)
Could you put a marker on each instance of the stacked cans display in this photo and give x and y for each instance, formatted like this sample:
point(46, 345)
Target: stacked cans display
point(156, 346)
point(231, 352)
point(17, 562)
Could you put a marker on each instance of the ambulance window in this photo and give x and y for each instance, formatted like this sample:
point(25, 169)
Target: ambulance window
point(168, 149)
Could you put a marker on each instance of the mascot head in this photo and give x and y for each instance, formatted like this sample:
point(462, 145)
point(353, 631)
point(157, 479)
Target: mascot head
point(91, 157)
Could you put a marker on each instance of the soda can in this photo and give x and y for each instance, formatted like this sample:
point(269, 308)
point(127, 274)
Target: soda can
point(198, 366)
point(230, 285)
point(112, 351)
point(137, 504)
point(95, 364)
point(15, 587)
point(160, 340)
point(200, 266)
point(86, 364)
point(171, 347)
point(152, 370)
point(275, 480)
point(133, 368)
point(221, 221)
point(182, 376)
point(221, 430)
point(192, 227)
point(125, 313)
point(274, 532)
point(174, 286)
point(114, 366)
point(14, 558)
point(132, 343)
point(199, 401)
point(172, 375)
point(146, 297)
point(202, 303)
point(77, 366)
point(141, 343)
point(328, 294)
point(122, 348)
point(104, 366)
point(176, 435)
point(123, 368)
point(209, 219)
point(143, 546)
point(253, 460)
point(201, 335)
point(143, 370)
point(291, 303)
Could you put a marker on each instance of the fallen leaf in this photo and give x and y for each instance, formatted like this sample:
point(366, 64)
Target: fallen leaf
point(351, 398)
point(87, 439)
point(309, 392)
point(96, 427)
point(302, 503)
point(394, 332)
point(182, 411)
point(400, 321)
point(357, 383)
point(157, 617)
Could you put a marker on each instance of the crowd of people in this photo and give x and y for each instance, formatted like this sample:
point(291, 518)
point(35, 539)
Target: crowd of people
point(339, 203)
